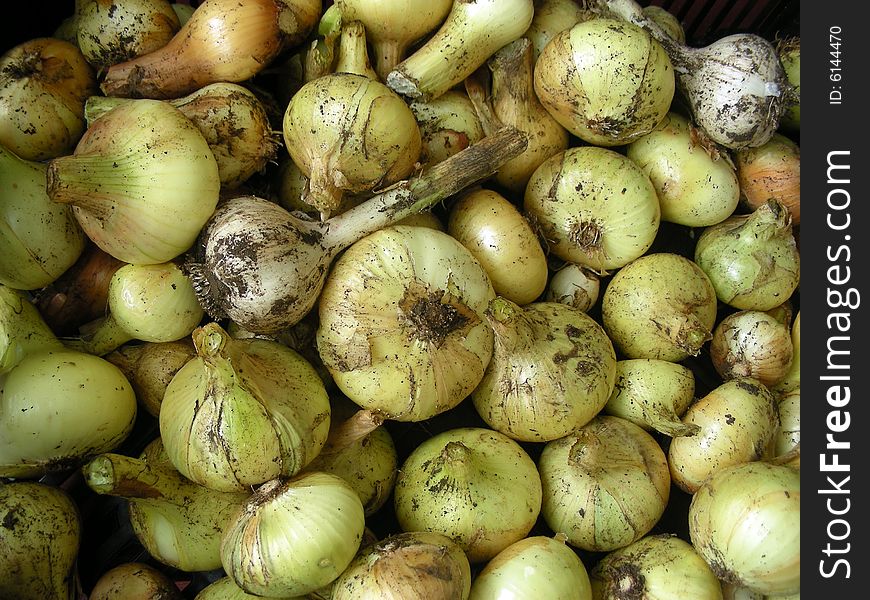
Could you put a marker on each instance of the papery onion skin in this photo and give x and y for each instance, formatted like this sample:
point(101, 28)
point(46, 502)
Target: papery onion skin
point(745, 522)
point(606, 81)
point(401, 322)
point(738, 420)
point(594, 206)
point(487, 480)
point(605, 485)
point(660, 306)
point(534, 567)
point(293, 536)
point(751, 343)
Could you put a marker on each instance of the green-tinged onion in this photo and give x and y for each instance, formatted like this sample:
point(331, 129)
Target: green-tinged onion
point(552, 370)
point(660, 306)
point(792, 379)
point(243, 412)
point(552, 17)
point(226, 589)
point(22, 329)
point(177, 521)
point(534, 567)
point(353, 55)
point(134, 581)
point(40, 536)
point(789, 51)
point(667, 21)
point(656, 567)
point(745, 522)
point(605, 485)
point(788, 436)
point(487, 480)
point(751, 343)
point(293, 536)
point(737, 421)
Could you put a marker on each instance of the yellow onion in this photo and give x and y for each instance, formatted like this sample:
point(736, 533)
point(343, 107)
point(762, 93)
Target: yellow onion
point(59, 407)
point(656, 567)
point(788, 436)
point(661, 306)
point(23, 331)
point(177, 521)
point(606, 81)
point(108, 32)
point(134, 581)
point(401, 322)
point(347, 132)
point(40, 537)
point(447, 124)
point(220, 42)
point(534, 567)
point(574, 285)
point(738, 420)
point(772, 170)
point(552, 370)
point(594, 207)
point(487, 480)
point(752, 260)
point(500, 237)
point(242, 412)
point(293, 536)
point(751, 343)
point(353, 55)
point(605, 485)
point(654, 394)
point(142, 182)
point(552, 17)
point(419, 565)
point(44, 83)
point(792, 379)
point(697, 186)
point(39, 239)
point(745, 522)
point(226, 589)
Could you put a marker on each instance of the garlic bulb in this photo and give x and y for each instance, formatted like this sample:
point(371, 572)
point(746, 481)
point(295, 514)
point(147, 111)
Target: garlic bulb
point(447, 124)
point(656, 567)
point(177, 521)
point(142, 182)
point(751, 343)
point(40, 537)
point(654, 394)
point(606, 81)
point(420, 565)
point(134, 581)
point(219, 42)
point(22, 329)
point(575, 286)
point(243, 412)
point(552, 370)
point(552, 17)
point(661, 306)
point(401, 322)
point(772, 170)
point(594, 206)
point(39, 239)
point(737, 420)
point(752, 260)
point(293, 536)
point(489, 482)
point(59, 407)
point(108, 33)
point(44, 83)
point(605, 485)
point(347, 132)
point(696, 186)
point(500, 237)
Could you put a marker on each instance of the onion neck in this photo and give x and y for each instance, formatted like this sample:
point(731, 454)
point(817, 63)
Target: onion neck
point(126, 477)
point(352, 431)
point(90, 183)
point(683, 329)
point(387, 54)
point(510, 327)
point(352, 52)
point(211, 341)
point(770, 220)
point(512, 80)
point(100, 337)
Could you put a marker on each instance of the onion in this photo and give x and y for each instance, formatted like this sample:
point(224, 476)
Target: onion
point(293, 536)
point(788, 436)
point(320, 57)
point(353, 56)
point(500, 237)
point(654, 394)
point(660, 306)
point(696, 187)
point(552, 370)
point(420, 565)
point(789, 51)
point(40, 537)
point(738, 420)
point(44, 83)
point(134, 581)
point(605, 485)
point(792, 380)
point(751, 260)
point(552, 17)
point(575, 286)
point(656, 567)
point(771, 171)
point(447, 124)
point(745, 522)
point(736, 87)
point(594, 207)
point(750, 343)
point(487, 480)
point(606, 81)
point(667, 21)
point(401, 322)
point(22, 330)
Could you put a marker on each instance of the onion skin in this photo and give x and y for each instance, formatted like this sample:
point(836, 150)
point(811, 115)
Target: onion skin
point(745, 522)
point(552, 17)
point(751, 344)
point(134, 581)
point(792, 381)
point(772, 170)
point(575, 286)
point(789, 51)
point(447, 124)
point(22, 329)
